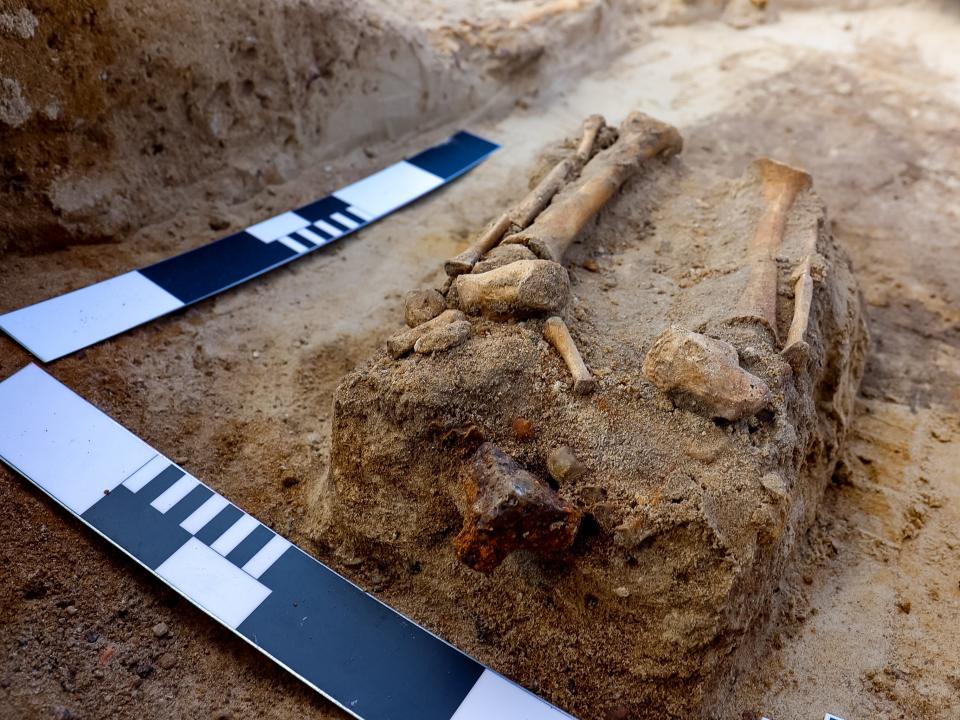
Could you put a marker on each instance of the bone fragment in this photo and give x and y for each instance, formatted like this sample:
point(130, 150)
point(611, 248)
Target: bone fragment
point(443, 338)
point(486, 241)
point(704, 374)
point(556, 333)
point(509, 509)
point(521, 289)
point(780, 185)
point(402, 343)
point(503, 255)
point(422, 305)
point(796, 348)
point(522, 214)
point(641, 138)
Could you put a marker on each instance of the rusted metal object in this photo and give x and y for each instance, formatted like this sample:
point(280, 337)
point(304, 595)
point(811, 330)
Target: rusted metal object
point(510, 509)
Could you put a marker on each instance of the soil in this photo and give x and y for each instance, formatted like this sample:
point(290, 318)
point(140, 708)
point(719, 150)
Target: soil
point(239, 389)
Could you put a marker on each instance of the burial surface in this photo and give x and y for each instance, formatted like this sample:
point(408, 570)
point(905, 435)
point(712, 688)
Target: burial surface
point(615, 545)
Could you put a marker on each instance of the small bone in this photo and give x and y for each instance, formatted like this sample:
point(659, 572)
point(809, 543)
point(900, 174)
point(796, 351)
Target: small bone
point(556, 333)
point(509, 509)
point(403, 342)
point(795, 348)
point(503, 255)
point(704, 374)
point(780, 185)
point(521, 289)
point(422, 305)
point(522, 214)
point(443, 338)
point(641, 138)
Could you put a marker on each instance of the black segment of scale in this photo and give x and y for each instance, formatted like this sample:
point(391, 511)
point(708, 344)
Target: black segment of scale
point(208, 269)
point(342, 639)
point(460, 153)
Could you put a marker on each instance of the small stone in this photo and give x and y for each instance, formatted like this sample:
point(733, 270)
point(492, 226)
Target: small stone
point(591, 265)
point(422, 305)
point(564, 466)
point(774, 484)
point(523, 429)
point(160, 630)
point(71, 610)
point(621, 592)
point(704, 374)
point(144, 670)
point(167, 661)
point(443, 338)
point(218, 223)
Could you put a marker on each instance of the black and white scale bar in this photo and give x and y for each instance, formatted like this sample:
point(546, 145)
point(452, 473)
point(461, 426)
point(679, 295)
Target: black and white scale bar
point(64, 324)
point(343, 642)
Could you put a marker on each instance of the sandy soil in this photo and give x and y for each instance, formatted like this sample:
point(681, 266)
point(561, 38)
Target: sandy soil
point(238, 389)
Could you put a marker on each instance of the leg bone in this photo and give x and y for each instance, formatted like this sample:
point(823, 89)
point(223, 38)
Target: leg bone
point(781, 184)
point(524, 288)
point(641, 138)
point(535, 201)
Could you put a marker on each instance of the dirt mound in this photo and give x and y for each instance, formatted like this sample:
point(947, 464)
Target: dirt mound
point(689, 522)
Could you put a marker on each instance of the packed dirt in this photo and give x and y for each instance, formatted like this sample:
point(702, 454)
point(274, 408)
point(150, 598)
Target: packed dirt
point(239, 389)
point(689, 521)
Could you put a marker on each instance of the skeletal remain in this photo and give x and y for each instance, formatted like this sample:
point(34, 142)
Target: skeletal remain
point(509, 509)
point(521, 289)
point(422, 305)
point(641, 138)
point(402, 343)
point(796, 346)
point(780, 186)
point(556, 333)
point(704, 374)
point(503, 255)
point(522, 214)
point(443, 338)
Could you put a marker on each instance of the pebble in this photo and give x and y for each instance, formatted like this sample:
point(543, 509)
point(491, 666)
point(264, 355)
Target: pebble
point(621, 592)
point(160, 630)
point(167, 661)
point(564, 466)
point(71, 610)
point(523, 429)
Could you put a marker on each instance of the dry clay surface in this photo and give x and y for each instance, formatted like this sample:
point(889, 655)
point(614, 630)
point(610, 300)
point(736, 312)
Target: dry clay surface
point(239, 389)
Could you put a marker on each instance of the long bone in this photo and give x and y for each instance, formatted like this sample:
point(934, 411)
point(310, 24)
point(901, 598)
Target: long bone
point(641, 138)
point(523, 213)
point(556, 333)
point(796, 345)
point(780, 186)
point(524, 288)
